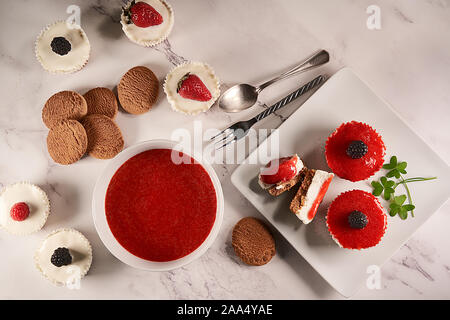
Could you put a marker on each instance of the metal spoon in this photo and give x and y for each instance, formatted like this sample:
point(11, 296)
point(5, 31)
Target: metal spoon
point(243, 96)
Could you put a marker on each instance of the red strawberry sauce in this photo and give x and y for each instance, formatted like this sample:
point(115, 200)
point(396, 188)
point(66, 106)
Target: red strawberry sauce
point(159, 210)
point(323, 190)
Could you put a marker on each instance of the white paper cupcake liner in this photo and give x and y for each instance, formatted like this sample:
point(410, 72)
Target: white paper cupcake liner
point(215, 92)
point(76, 67)
point(148, 43)
point(83, 272)
point(46, 203)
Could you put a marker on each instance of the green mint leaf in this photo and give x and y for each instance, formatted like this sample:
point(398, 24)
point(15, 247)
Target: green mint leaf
point(409, 207)
point(390, 183)
point(383, 181)
point(387, 194)
point(388, 166)
point(393, 173)
point(403, 171)
point(394, 211)
point(403, 213)
point(377, 191)
point(402, 166)
point(400, 199)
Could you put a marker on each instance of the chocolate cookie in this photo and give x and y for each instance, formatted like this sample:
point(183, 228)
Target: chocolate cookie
point(104, 136)
point(253, 242)
point(101, 101)
point(62, 106)
point(138, 90)
point(67, 142)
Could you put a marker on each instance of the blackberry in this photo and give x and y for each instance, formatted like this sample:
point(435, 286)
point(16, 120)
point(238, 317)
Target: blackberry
point(357, 149)
point(357, 220)
point(61, 46)
point(61, 257)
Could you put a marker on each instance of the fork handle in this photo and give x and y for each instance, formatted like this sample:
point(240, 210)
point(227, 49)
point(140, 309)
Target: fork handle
point(294, 95)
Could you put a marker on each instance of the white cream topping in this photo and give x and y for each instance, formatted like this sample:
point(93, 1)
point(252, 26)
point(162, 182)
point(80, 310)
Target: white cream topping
point(79, 249)
point(154, 34)
point(298, 166)
point(34, 197)
point(72, 61)
point(189, 106)
point(320, 177)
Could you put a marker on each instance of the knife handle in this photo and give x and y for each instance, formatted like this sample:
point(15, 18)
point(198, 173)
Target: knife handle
point(294, 95)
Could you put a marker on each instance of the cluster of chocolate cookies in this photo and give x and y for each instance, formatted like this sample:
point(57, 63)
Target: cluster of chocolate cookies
point(81, 124)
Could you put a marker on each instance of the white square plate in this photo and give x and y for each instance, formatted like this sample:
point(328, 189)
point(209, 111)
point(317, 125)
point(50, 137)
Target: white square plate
point(344, 97)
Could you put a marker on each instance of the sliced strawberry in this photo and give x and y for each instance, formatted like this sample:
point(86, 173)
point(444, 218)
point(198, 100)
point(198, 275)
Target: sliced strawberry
point(143, 15)
point(285, 169)
point(191, 87)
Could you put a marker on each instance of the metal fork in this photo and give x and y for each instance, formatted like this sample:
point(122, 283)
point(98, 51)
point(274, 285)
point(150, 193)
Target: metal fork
point(241, 128)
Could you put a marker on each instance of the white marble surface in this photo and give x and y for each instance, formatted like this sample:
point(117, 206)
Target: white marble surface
point(406, 63)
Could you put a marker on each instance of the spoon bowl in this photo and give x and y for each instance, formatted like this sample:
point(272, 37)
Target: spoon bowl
point(238, 98)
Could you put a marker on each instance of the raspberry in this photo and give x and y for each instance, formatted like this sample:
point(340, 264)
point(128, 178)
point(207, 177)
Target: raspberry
point(20, 211)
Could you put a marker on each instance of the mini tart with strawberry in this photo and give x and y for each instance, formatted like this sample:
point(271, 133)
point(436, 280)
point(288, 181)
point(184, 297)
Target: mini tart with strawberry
point(192, 88)
point(24, 208)
point(355, 151)
point(62, 48)
point(356, 220)
point(147, 22)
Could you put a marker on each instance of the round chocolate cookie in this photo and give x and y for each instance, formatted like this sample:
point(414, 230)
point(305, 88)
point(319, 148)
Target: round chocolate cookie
point(62, 106)
point(253, 242)
point(138, 90)
point(67, 142)
point(104, 136)
point(101, 101)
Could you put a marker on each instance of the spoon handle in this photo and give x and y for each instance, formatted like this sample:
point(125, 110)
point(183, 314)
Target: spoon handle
point(294, 95)
point(317, 59)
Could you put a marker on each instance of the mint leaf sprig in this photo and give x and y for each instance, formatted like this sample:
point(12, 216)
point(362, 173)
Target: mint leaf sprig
point(387, 187)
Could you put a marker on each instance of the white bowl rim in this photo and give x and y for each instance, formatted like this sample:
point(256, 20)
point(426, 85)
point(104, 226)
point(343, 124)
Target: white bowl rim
point(101, 224)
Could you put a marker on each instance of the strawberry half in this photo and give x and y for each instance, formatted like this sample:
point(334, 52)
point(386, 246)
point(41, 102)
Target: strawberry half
point(191, 87)
point(142, 14)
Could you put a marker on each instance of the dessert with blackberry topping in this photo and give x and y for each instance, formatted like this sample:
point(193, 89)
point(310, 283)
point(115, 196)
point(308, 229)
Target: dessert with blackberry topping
point(62, 47)
point(355, 151)
point(64, 257)
point(356, 220)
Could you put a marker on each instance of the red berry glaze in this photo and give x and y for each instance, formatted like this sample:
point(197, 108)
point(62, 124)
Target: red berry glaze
point(342, 164)
point(191, 87)
point(144, 15)
point(20, 211)
point(339, 227)
point(286, 170)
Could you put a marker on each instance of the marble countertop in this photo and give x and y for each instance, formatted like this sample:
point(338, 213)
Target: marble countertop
point(406, 62)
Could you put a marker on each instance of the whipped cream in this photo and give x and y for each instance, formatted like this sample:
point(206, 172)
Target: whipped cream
point(34, 197)
point(320, 177)
point(298, 166)
point(189, 106)
point(72, 61)
point(152, 35)
point(79, 248)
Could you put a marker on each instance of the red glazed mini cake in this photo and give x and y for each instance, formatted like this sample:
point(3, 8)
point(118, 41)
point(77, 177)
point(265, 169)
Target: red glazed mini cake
point(355, 151)
point(356, 220)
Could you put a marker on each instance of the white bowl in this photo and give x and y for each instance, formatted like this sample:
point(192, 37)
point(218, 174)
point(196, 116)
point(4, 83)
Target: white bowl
point(101, 224)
